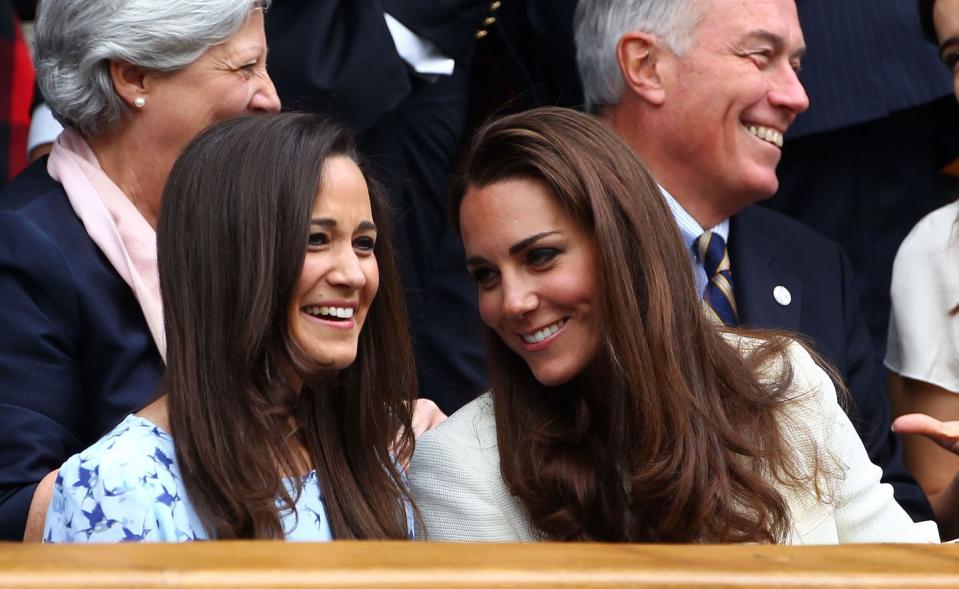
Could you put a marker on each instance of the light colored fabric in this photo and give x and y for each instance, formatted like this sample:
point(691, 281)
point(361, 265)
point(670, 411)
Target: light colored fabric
point(923, 341)
point(421, 54)
point(43, 127)
point(127, 488)
point(690, 231)
point(456, 481)
point(113, 223)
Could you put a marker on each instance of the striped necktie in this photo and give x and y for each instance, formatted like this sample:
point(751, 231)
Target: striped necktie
point(711, 252)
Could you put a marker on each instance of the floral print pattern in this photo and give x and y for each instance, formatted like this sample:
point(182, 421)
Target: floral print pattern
point(127, 488)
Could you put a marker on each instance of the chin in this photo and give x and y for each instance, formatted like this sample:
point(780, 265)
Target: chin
point(553, 378)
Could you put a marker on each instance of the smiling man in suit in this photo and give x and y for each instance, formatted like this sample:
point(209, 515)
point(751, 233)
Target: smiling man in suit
point(704, 91)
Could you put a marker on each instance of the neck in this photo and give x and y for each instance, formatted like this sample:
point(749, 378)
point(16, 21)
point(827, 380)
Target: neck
point(157, 413)
point(138, 170)
point(633, 127)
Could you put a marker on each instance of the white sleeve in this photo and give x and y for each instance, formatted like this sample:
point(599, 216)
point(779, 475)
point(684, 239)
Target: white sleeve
point(43, 127)
point(923, 342)
point(865, 510)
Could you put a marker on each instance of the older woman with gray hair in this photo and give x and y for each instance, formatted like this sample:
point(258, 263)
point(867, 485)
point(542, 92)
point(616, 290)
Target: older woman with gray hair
point(132, 81)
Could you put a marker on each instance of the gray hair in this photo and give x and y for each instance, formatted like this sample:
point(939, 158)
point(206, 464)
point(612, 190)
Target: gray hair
point(600, 24)
point(75, 41)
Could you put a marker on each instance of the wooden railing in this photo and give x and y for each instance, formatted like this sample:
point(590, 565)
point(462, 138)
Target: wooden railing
point(243, 565)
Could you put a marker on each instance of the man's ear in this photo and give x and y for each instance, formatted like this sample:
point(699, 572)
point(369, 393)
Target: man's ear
point(640, 62)
point(129, 81)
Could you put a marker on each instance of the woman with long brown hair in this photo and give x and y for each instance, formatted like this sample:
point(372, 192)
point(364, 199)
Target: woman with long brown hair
point(289, 370)
point(619, 412)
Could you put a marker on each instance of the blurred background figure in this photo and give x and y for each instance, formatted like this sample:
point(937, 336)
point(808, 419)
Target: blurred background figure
point(16, 88)
point(861, 165)
point(82, 342)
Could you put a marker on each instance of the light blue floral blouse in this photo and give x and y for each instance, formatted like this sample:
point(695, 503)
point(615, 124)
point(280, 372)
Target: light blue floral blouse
point(127, 488)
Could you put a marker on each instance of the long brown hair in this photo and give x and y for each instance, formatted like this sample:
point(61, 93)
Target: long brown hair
point(676, 440)
point(231, 242)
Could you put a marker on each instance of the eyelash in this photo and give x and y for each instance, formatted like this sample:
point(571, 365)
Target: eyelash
point(483, 276)
point(364, 244)
point(542, 256)
point(536, 258)
point(950, 59)
point(318, 239)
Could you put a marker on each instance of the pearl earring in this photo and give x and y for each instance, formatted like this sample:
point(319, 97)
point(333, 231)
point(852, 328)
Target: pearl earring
point(139, 101)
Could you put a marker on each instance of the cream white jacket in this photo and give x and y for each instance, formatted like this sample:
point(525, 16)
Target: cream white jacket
point(456, 481)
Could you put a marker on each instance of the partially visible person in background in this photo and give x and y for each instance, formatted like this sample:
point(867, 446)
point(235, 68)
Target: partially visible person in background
point(287, 398)
point(398, 72)
point(82, 342)
point(923, 348)
point(861, 166)
point(16, 86)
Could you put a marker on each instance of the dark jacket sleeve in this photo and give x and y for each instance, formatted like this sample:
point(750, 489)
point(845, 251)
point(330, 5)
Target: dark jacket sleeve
point(870, 410)
point(40, 392)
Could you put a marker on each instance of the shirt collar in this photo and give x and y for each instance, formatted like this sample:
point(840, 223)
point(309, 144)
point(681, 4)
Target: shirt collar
point(688, 227)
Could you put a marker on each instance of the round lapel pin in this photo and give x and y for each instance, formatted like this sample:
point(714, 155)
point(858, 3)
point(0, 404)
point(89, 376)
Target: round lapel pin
point(782, 295)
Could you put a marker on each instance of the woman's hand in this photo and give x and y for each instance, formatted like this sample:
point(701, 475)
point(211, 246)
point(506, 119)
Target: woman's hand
point(944, 433)
point(426, 416)
point(945, 503)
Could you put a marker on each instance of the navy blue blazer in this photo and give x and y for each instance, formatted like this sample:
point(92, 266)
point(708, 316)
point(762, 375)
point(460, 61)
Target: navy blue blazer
point(76, 355)
point(768, 249)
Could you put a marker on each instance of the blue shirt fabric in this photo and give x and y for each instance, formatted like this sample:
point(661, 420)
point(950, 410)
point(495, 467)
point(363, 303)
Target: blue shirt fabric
point(127, 488)
point(690, 231)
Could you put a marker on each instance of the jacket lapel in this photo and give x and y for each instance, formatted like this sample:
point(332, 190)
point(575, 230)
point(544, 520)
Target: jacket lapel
point(758, 269)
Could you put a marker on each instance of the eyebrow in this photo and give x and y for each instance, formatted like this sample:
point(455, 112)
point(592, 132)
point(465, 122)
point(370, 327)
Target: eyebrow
point(775, 40)
point(516, 247)
point(521, 245)
point(331, 223)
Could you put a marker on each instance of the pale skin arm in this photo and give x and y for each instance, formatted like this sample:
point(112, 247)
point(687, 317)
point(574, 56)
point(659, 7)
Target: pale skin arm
point(38, 508)
point(928, 418)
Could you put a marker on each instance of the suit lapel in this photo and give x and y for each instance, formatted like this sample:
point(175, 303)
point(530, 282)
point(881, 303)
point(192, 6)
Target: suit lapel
point(758, 269)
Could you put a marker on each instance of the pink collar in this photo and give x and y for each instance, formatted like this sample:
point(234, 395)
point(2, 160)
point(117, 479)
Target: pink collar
point(126, 239)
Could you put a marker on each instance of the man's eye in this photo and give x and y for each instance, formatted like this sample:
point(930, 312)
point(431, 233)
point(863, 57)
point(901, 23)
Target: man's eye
point(364, 244)
point(542, 255)
point(761, 57)
point(951, 59)
point(318, 239)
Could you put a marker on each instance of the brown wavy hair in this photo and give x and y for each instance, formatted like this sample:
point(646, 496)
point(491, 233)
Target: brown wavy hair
point(232, 238)
point(676, 440)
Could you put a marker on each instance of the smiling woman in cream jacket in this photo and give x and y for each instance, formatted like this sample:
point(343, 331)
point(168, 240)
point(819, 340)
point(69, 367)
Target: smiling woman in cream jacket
point(619, 412)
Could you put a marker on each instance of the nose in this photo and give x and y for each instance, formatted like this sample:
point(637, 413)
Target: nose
point(347, 271)
point(788, 92)
point(266, 99)
point(518, 299)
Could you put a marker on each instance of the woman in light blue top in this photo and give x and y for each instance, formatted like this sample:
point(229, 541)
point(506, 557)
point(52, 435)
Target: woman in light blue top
point(289, 370)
